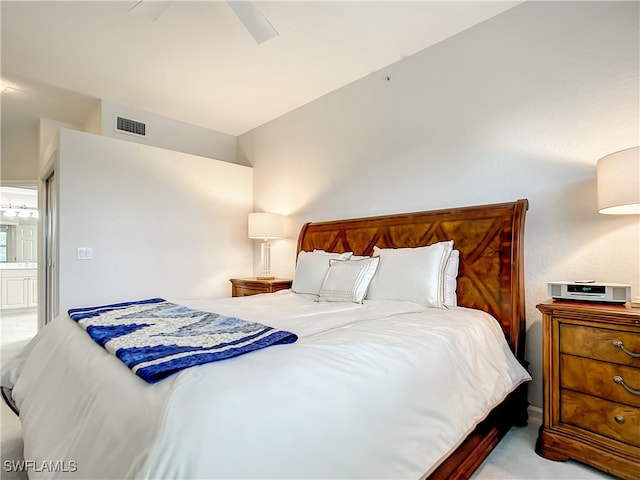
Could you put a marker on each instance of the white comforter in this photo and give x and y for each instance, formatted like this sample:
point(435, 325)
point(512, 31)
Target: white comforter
point(379, 390)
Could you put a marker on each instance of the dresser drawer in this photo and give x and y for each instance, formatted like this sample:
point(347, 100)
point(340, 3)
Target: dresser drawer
point(610, 419)
point(596, 378)
point(598, 343)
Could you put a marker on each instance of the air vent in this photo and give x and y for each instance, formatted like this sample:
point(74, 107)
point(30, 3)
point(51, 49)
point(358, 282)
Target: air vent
point(133, 127)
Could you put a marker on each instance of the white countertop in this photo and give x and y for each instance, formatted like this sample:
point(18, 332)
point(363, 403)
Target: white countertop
point(18, 266)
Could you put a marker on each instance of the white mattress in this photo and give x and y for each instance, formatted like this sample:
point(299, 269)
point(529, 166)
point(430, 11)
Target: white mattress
point(380, 390)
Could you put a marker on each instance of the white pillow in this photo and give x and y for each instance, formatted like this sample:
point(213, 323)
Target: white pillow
point(348, 280)
point(451, 279)
point(411, 274)
point(359, 257)
point(311, 269)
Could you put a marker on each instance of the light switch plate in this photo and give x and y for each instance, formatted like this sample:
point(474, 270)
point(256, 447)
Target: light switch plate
point(84, 253)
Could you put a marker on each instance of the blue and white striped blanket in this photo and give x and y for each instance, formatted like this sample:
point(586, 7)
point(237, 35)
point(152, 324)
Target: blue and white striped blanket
point(156, 338)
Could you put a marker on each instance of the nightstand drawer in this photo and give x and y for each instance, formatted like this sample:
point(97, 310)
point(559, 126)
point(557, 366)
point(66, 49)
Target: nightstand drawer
point(245, 291)
point(597, 378)
point(610, 419)
point(599, 343)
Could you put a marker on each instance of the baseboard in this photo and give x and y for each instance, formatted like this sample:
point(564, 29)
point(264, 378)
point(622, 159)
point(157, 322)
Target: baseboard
point(535, 413)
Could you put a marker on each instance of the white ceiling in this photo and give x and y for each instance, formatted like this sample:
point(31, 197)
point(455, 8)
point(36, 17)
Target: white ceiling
point(198, 64)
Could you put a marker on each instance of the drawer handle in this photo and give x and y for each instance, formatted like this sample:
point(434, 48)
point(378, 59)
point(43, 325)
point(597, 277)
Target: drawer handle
point(620, 345)
point(619, 419)
point(618, 379)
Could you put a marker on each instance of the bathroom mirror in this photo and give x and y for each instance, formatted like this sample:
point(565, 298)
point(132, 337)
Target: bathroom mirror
point(18, 225)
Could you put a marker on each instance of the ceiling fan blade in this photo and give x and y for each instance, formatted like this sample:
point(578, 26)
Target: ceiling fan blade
point(253, 20)
point(150, 9)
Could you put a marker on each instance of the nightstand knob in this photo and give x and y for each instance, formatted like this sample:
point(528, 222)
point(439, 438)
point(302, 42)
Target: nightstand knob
point(619, 419)
point(620, 345)
point(620, 381)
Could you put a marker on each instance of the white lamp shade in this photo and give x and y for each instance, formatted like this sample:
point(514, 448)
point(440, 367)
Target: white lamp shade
point(619, 182)
point(266, 225)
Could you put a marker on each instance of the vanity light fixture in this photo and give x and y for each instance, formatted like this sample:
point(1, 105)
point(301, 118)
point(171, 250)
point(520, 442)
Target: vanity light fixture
point(21, 212)
point(10, 212)
point(266, 226)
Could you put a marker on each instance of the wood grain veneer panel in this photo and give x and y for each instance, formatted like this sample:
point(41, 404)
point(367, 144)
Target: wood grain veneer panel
point(598, 343)
point(598, 415)
point(595, 378)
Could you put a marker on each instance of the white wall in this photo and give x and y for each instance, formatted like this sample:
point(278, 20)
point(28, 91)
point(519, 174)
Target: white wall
point(19, 154)
point(160, 223)
point(169, 133)
point(49, 140)
point(520, 106)
point(93, 122)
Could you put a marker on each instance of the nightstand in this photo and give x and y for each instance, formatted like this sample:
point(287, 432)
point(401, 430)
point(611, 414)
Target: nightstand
point(591, 386)
point(242, 287)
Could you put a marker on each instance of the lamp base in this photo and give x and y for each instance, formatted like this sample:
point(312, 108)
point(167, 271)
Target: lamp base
point(265, 254)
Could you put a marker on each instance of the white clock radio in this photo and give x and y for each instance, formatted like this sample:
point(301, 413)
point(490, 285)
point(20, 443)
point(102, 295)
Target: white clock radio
point(590, 291)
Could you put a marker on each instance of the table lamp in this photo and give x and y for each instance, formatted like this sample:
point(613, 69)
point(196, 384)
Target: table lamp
point(266, 226)
point(619, 186)
point(619, 182)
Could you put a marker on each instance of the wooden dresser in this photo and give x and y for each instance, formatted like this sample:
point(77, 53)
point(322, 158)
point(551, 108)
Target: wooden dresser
point(242, 287)
point(591, 377)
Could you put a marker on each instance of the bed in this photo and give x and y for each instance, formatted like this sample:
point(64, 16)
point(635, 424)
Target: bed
point(347, 400)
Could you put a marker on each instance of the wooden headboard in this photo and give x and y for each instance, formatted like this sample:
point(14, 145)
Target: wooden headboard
point(489, 238)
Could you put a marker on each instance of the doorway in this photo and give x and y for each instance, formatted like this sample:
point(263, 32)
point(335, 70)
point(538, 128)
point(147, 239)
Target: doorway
point(19, 222)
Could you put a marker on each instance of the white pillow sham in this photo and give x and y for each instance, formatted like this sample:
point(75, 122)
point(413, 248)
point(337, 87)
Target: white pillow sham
point(411, 274)
point(348, 280)
point(451, 279)
point(311, 268)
